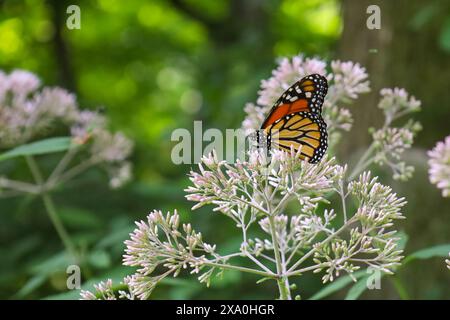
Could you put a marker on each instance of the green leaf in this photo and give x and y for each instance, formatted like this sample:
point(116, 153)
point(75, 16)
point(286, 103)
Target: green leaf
point(401, 244)
point(117, 234)
point(39, 147)
point(436, 251)
point(357, 289)
point(55, 263)
point(99, 259)
point(337, 285)
point(32, 284)
point(423, 16)
point(42, 270)
point(79, 218)
point(444, 37)
point(228, 277)
point(178, 282)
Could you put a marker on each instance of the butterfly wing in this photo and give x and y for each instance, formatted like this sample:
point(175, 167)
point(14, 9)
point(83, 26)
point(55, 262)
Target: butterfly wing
point(306, 94)
point(303, 130)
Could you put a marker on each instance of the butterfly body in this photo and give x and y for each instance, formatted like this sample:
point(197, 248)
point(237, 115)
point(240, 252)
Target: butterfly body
point(295, 120)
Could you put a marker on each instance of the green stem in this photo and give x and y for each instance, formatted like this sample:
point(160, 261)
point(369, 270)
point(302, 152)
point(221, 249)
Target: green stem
point(238, 268)
point(57, 223)
point(282, 279)
point(363, 162)
point(62, 165)
point(50, 208)
point(291, 270)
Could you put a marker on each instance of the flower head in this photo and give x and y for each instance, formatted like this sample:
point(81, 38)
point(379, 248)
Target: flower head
point(397, 100)
point(224, 185)
point(287, 72)
point(439, 162)
point(27, 113)
point(350, 80)
point(21, 83)
point(104, 291)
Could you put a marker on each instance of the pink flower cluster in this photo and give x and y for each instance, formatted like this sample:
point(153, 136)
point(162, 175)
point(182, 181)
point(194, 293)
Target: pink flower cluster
point(347, 81)
point(439, 162)
point(27, 114)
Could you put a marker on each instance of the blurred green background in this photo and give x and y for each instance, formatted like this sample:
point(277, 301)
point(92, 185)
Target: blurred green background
point(153, 66)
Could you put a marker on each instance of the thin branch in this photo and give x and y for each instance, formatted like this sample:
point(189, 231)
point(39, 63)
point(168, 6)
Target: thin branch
point(245, 244)
point(313, 250)
point(363, 162)
point(248, 255)
point(10, 194)
point(306, 269)
point(343, 199)
point(74, 171)
point(243, 269)
point(19, 186)
point(267, 257)
point(62, 165)
point(50, 208)
point(254, 205)
point(282, 281)
point(228, 256)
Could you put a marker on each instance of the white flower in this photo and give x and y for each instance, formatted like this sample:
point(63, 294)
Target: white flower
point(120, 175)
point(4, 86)
point(397, 100)
point(288, 72)
point(439, 162)
point(104, 291)
point(394, 141)
point(111, 147)
point(27, 113)
point(57, 103)
point(448, 262)
point(350, 80)
point(21, 83)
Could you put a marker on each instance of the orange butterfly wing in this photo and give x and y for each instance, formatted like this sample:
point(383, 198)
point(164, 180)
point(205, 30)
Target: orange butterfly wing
point(304, 131)
point(306, 94)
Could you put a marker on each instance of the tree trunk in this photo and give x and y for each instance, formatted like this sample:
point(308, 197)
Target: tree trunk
point(61, 51)
point(370, 48)
point(408, 56)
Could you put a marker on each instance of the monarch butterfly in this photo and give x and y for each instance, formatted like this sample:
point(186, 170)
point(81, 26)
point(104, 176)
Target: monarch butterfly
point(295, 119)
